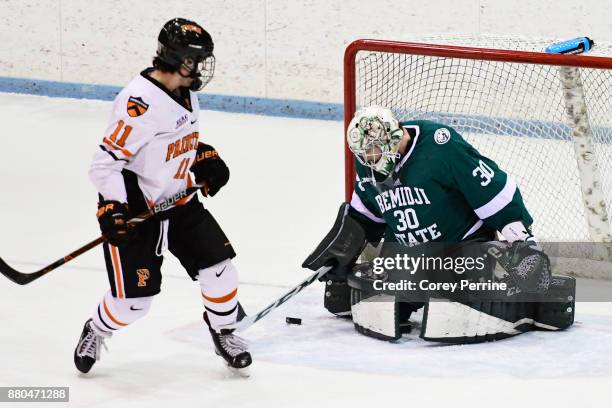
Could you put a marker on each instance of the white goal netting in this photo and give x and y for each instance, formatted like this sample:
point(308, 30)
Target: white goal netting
point(516, 114)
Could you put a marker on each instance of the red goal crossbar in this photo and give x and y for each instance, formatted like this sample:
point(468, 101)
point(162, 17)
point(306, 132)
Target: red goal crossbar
point(447, 51)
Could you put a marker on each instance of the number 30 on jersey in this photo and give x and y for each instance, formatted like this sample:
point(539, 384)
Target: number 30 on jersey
point(485, 172)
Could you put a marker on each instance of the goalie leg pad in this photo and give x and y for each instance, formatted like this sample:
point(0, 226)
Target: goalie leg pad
point(376, 313)
point(446, 321)
point(477, 322)
point(557, 312)
point(376, 316)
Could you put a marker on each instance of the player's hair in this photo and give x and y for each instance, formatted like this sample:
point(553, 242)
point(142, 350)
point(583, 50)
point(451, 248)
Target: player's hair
point(163, 66)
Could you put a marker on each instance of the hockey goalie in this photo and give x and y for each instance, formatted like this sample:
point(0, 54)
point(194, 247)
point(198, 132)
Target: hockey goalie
point(422, 191)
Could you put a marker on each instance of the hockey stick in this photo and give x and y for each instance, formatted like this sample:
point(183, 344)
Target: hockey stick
point(21, 278)
point(248, 321)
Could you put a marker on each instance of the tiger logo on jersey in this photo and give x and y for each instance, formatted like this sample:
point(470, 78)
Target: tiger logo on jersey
point(136, 106)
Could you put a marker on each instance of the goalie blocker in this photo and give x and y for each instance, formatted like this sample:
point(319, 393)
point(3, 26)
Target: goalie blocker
point(340, 249)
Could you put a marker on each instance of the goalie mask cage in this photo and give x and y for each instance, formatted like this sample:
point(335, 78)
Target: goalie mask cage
point(546, 119)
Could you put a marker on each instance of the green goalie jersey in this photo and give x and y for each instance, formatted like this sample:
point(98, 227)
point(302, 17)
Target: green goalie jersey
point(442, 190)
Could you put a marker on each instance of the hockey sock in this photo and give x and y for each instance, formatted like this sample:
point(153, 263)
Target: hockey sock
point(219, 286)
point(113, 313)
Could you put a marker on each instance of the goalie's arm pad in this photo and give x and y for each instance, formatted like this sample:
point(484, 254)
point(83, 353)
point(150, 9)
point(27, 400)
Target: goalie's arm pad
point(342, 244)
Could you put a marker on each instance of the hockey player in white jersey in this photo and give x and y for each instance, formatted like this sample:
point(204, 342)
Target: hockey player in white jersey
point(146, 155)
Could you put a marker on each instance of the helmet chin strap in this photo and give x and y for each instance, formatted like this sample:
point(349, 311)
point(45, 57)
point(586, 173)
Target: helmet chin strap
point(196, 85)
point(192, 74)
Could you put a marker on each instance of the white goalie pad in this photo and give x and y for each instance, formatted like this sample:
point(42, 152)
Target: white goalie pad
point(377, 317)
point(448, 321)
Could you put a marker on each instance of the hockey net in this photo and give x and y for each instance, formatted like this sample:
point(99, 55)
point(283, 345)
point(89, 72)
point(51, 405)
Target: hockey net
point(545, 119)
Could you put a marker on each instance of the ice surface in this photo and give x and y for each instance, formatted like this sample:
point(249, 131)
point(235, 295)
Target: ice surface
point(284, 191)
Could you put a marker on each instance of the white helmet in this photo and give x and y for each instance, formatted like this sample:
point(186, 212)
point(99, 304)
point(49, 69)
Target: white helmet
point(373, 136)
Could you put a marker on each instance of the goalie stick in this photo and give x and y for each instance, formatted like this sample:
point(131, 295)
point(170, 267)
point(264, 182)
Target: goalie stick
point(248, 321)
point(21, 278)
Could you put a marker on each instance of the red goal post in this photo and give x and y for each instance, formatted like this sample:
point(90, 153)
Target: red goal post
point(512, 104)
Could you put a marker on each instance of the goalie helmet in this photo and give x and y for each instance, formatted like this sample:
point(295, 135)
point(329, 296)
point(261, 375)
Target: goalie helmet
point(184, 43)
point(373, 136)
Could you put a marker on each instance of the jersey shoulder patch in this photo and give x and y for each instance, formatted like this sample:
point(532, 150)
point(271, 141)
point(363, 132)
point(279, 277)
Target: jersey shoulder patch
point(436, 133)
point(136, 106)
point(442, 135)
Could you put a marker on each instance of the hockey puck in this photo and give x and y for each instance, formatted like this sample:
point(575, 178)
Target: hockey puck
point(293, 320)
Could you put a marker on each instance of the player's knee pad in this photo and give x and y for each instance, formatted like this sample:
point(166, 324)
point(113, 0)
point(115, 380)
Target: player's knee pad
point(115, 313)
point(219, 287)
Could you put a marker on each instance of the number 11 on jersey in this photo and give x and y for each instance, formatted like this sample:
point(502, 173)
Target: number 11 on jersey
point(182, 169)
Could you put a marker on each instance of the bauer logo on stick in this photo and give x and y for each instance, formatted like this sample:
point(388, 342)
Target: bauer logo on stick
point(136, 106)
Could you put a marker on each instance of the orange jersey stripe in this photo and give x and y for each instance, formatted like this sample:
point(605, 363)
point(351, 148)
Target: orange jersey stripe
point(108, 313)
point(221, 299)
point(109, 142)
point(117, 268)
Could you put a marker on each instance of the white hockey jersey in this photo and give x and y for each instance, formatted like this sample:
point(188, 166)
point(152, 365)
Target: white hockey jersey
point(152, 134)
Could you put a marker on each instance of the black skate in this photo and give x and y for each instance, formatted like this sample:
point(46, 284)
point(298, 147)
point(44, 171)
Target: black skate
point(87, 351)
point(232, 348)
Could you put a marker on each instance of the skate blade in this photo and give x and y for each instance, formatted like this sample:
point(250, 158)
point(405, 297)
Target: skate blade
point(239, 372)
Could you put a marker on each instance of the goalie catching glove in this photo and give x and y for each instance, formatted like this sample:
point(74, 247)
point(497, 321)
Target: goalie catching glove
point(527, 266)
point(340, 247)
point(209, 169)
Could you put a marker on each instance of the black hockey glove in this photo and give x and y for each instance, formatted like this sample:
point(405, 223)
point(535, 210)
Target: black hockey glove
point(527, 265)
point(340, 247)
point(209, 169)
point(113, 217)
